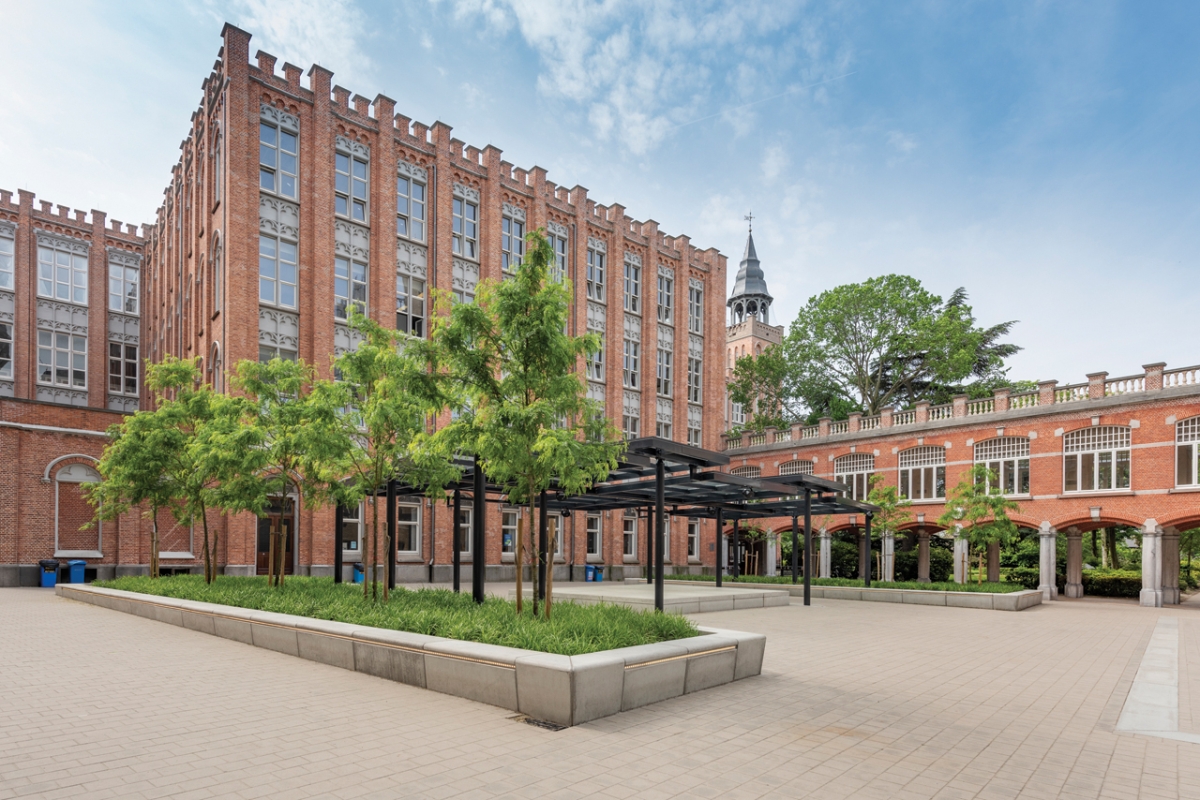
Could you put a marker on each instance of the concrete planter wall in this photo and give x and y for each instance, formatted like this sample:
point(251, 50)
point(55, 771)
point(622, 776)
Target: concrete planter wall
point(566, 690)
point(1010, 601)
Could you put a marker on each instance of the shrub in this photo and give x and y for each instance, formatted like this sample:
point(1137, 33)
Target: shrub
point(1029, 577)
point(1112, 583)
point(843, 560)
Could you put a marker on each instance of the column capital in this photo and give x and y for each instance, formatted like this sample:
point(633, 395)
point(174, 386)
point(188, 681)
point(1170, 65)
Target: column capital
point(1046, 529)
point(1074, 532)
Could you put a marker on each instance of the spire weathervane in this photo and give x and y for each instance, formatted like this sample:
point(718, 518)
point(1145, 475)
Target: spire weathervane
point(750, 218)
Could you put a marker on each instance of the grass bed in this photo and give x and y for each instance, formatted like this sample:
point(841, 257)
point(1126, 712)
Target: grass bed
point(996, 588)
point(572, 629)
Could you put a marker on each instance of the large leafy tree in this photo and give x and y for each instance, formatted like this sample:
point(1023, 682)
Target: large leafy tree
point(389, 387)
point(892, 509)
point(978, 511)
point(524, 410)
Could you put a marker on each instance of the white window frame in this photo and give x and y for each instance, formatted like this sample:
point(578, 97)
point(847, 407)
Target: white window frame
point(1091, 450)
point(796, 467)
point(631, 417)
point(274, 160)
point(414, 525)
point(218, 277)
point(633, 288)
point(278, 265)
point(629, 537)
point(663, 378)
point(662, 429)
point(512, 243)
point(6, 350)
point(410, 305)
point(595, 275)
point(411, 198)
point(594, 537)
point(747, 471)
point(695, 310)
point(351, 277)
point(666, 299)
point(126, 363)
point(67, 282)
point(510, 527)
point(51, 351)
point(1008, 457)
point(464, 233)
point(695, 376)
point(1187, 451)
point(737, 414)
point(266, 352)
point(359, 520)
point(595, 363)
point(559, 245)
point(856, 470)
point(123, 286)
point(693, 539)
point(632, 365)
point(352, 191)
point(922, 473)
point(8, 249)
point(464, 529)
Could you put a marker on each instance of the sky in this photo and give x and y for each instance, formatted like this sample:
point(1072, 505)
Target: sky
point(1040, 154)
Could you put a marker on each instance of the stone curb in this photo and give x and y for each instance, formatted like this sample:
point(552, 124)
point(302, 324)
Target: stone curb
point(991, 601)
point(566, 690)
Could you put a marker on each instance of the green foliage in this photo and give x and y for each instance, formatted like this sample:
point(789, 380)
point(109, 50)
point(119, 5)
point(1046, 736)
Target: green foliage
point(941, 565)
point(843, 559)
point(893, 509)
point(574, 630)
point(1112, 583)
point(759, 384)
point(937, 586)
point(980, 513)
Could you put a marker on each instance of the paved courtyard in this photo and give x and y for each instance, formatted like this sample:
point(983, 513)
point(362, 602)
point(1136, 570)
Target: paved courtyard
point(859, 700)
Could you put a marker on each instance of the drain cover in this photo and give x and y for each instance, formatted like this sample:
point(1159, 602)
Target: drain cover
point(539, 723)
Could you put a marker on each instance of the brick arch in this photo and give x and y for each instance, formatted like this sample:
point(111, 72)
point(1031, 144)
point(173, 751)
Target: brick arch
point(1183, 522)
point(66, 461)
point(1085, 524)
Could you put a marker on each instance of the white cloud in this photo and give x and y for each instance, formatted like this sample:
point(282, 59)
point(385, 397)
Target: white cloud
point(902, 142)
point(774, 161)
point(304, 32)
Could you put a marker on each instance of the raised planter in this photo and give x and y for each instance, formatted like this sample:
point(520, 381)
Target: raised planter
point(565, 690)
point(992, 601)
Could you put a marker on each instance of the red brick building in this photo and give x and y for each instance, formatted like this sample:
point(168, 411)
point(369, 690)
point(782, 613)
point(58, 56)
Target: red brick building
point(294, 199)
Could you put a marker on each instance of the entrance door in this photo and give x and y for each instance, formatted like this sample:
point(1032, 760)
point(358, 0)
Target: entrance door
point(265, 524)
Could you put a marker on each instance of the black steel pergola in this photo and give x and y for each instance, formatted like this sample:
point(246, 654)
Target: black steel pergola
point(666, 476)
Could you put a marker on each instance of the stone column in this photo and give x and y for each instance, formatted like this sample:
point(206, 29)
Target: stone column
point(1074, 562)
point(1170, 566)
point(770, 548)
point(993, 562)
point(889, 557)
point(1152, 565)
point(826, 566)
point(961, 555)
point(1049, 554)
point(922, 555)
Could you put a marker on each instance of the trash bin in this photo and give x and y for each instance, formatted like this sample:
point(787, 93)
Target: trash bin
point(49, 572)
point(359, 572)
point(76, 566)
point(589, 573)
point(599, 573)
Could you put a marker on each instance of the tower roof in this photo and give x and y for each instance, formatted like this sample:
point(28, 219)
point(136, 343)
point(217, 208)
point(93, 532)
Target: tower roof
point(750, 279)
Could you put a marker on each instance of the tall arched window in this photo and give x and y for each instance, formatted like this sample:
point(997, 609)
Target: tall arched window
point(218, 279)
point(1096, 459)
point(923, 472)
point(216, 369)
point(855, 471)
point(1187, 452)
point(1007, 457)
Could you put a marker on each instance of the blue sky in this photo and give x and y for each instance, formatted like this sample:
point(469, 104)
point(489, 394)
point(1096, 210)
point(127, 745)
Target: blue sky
point(1043, 155)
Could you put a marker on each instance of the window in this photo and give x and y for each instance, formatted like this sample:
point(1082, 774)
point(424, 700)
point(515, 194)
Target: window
point(595, 275)
point(276, 271)
point(693, 379)
point(629, 531)
point(666, 298)
point(559, 245)
point(217, 176)
point(6, 263)
point(352, 529)
point(509, 530)
point(266, 352)
point(62, 275)
point(631, 415)
point(410, 305)
point(62, 359)
point(122, 368)
point(218, 278)
point(666, 538)
point(693, 539)
point(662, 429)
point(350, 186)
point(694, 424)
point(595, 363)
point(855, 471)
point(796, 468)
point(122, 289)
point(1096, 459)
point(6, 350)
point(633, 287)
point(632, 364)
point(1187, 446)
point(737, 414)
point(410, 209)
point(923, 473)
point(408, 528)
point(349, 287)
point(276, 160)
point(695, 309)
point(464, 530)
point(663, 376)
point(465, 228)
point(1007, 458)
point(746, 472)
point(512, 243)
point(554, 532)
point(595, 540)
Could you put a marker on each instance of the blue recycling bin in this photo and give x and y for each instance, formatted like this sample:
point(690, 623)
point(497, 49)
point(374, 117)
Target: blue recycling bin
point(75, 568)
point(359, 572)
point(49, 572)
point(589, 573)
point(599, 573)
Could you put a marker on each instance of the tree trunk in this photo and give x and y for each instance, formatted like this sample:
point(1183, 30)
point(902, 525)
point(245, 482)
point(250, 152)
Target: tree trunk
point(271, 556)
point(550, 567)
point(374, 544)
point(208, 570)
point(519, 560)
point(1114, 558)
point(982, 555)
point(154, 545)
point(1096, 546)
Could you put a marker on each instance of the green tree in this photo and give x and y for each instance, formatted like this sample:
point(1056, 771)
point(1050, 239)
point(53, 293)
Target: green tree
point(293, 440)
point(390, 386)
point(978, 510)
point(759, 384)
point(892, 512)
point(524, 412)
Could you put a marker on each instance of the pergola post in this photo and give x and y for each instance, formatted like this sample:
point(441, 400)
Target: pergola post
point(720, 544)
point(808, 553)
point(659, 524)
point(478, 548)
point(455, 545)
point(735, 560)
point(338, 521)
point(543, 546)
point(649, 544)
point(389, 569)
point(867, 551)
point(795, 552)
